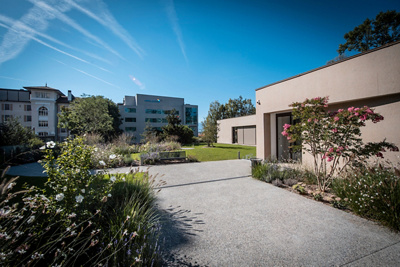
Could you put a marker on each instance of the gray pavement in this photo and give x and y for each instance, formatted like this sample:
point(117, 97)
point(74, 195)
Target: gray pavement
point(215, 214)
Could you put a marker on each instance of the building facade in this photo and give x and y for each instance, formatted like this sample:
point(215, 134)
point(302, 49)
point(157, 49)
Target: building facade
point(36, 107)
point(239, 130)
point(371, 78)
point(141, 110)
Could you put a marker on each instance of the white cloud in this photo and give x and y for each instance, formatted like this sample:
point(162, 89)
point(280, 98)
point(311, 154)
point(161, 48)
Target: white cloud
point(173, 19)
point(18, 26)
point(29, 36)
point(54, 12)
point(105, 18)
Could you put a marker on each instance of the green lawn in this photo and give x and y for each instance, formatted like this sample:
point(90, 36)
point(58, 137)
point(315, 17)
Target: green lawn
point(220, 152)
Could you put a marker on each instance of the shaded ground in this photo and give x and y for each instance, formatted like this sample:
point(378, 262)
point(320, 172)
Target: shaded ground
point(216, 215)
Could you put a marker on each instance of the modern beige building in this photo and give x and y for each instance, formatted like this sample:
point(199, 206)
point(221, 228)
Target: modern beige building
point(371, 78)
point(240, 130)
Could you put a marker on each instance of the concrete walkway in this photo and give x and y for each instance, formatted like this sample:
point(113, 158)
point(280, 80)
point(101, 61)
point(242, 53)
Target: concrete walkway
point(216, 215)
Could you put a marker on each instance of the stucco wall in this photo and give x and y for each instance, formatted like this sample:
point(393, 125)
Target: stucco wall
point(361, 80)
point(226, 125)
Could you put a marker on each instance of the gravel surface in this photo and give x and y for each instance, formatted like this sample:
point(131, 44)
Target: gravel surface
point(215, 214)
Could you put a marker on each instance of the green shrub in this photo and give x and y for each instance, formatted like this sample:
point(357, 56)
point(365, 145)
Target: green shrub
point(372, 193)
point(131, 221)
point(87, 219)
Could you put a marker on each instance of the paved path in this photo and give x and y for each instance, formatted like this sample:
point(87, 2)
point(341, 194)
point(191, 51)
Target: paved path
point(216, 215)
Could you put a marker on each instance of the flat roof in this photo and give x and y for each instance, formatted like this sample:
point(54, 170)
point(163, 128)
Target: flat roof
point(329, 65)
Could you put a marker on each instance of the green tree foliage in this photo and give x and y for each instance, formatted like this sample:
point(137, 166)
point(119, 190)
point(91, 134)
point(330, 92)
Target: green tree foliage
point(12, 133)
point(94, 114)
point(175, 128)
point(234, 108)
point(384, 29)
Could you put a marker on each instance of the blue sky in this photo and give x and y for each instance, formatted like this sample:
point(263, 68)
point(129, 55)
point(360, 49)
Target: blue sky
point(200, 50)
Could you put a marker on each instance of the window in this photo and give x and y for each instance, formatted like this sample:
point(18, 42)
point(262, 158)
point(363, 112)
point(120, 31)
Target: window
point(130, 119)
point(130, 110)
point(27, 118)
point(130, 129)
point(43, 124)
point(43, 133)
point(6, 106)
point(42, 95)
point(154, 111)
point(170, 111)
point(43, 111)
point(191, 116)
point(27, 108)
point(156, 120)
point(5, 118)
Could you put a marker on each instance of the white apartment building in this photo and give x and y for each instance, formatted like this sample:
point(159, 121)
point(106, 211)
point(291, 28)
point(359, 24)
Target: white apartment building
point(36, 107)
point(140, 110)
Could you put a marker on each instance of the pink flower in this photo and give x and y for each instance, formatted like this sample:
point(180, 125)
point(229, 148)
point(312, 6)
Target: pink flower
point(284, 133)
point(350, 109)
point(326, 105)
point(336, 118)
point(317, 98)
point(340, 110)
point(286, 126)
point(369, 111)
point(363, 117)
point(334, 130)
point(309, 120)
point(330, 159)
point(315, 120)
point(356, 109)
point(331, 149)
point(356, 114)
point(289, 137)
point(323, 157)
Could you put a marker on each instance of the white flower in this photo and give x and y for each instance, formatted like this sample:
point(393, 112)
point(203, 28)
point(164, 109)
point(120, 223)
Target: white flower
point(83, 191)
point(64, 188)
point(102, 163)
point(79, 198)
point(31, 219)
point(50, 144)
point(109, 195)
point(123, 179)
point(60, 197)
point(113, 156)
point(95, 149)
point(113, 179)
point(72, 215)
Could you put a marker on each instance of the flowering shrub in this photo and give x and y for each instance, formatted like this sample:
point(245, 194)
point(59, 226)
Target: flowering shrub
point(160, 147)
point(103, 156)
point(75, 188)
point(83, 218)
point(332, 137)
point(372, 193)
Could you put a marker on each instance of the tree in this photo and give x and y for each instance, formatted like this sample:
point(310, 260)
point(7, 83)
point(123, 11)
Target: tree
point(333, 137)
point(384, 29)
point(12, 133)
point(94, 114)
point(234, 108)
point(210, 131)
point(175, 128)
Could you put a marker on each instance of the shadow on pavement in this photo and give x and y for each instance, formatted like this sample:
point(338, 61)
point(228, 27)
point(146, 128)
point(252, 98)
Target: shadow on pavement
point(178, 229)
